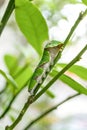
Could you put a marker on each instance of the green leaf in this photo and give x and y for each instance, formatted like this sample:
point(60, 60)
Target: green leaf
point(9, 79)
point(23, 78)
point(12, 118)
point(78, 70)
point(84, 1)
point(31, 23)
point(10, 61)
point(74, 84)
point(71, 83)
point(50, 94)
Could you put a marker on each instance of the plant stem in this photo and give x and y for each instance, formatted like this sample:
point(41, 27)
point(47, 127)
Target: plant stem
point(7, 109)
point(15, 95)
point(11, 102)
point(49, 110)
point(9, 10)
point(27, 104)
point(7, 14)
point(3, 90)
point(77, 58)
point(32, 99)
point(80, 17)
point(35, 90)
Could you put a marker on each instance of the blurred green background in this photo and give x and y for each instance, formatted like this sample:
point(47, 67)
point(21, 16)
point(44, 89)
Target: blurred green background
point(60, 16)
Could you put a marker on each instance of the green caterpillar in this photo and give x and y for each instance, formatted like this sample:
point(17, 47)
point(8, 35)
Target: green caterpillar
point(48, 60)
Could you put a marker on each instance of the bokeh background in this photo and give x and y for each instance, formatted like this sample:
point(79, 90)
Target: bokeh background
point(60, 16)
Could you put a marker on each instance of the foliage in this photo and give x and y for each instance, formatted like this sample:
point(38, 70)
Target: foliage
point(35, 29)
point(84, 1)
point(29, 18)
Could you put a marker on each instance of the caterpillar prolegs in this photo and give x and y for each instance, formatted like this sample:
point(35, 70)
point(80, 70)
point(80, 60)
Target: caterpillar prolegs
point(47, 62)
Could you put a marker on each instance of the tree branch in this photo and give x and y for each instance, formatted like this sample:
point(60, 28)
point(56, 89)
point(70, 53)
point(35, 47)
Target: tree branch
point(49, 110)
point(7, 14)
point(27, 104)
point(32, 99)
point(79, 19)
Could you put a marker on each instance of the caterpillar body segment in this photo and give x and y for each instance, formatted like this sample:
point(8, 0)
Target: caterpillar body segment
point(45, 65)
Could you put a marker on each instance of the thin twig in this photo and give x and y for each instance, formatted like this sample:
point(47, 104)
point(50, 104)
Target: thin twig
point(11, 102)
point(7, 108)
point(79, 19)
point(49, 110)
point(3, 90)
point(33, 99)
point(27, 104)
point(7, 14)
point(77, 58)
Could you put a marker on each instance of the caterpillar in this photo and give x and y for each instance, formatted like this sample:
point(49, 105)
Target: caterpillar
point(45, 65)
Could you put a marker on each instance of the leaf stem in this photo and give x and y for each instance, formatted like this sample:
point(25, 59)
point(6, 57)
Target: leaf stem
point(27, 104)
point(80, 17)
point(49, 110)
point(8, 11)
point(77, 58)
